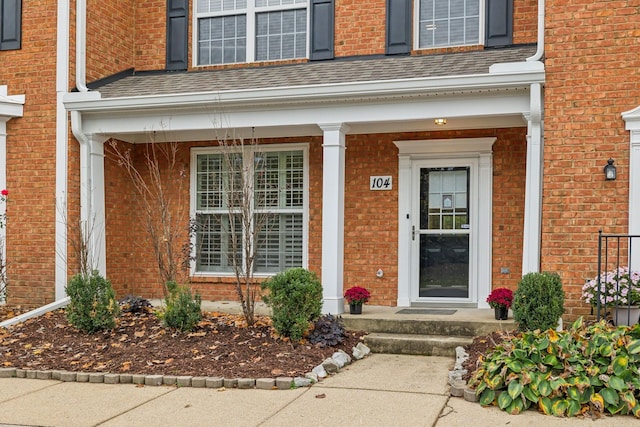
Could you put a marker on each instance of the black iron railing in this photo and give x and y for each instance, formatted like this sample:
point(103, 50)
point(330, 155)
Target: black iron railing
point(618, 281)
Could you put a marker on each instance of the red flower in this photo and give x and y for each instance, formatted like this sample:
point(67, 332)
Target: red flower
point(357, 294)
point(4, 192)
point(500, 297)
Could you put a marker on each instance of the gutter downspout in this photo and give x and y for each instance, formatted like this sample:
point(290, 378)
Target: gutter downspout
point(81, 45)
point(540, 51)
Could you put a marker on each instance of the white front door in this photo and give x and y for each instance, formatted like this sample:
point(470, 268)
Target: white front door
point(443, 230)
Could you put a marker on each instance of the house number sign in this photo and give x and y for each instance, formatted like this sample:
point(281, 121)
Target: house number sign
point(380, 183)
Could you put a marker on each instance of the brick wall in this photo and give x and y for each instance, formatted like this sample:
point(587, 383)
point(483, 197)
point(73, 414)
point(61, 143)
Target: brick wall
point(371, 218)
point(360, 27)
point(591, 64)
point(31, 157)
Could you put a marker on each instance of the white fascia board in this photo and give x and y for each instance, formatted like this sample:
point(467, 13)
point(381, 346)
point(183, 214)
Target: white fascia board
point(632, 119)
point(89, 101)
point(11, 106)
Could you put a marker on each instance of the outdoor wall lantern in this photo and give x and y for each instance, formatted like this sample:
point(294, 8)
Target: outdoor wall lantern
point(610, 170)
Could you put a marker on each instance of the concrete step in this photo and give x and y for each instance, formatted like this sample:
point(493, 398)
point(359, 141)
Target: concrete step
point(427, 345)
point(442, 326)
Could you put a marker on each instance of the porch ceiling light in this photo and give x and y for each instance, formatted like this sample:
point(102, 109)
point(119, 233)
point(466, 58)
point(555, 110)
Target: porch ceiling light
point(610, 170)
point(440, 122)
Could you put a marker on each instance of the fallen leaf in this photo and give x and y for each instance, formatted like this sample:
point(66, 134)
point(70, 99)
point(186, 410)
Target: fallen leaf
point(166, 362)
point(139, 334)
point(197, 334)
point(277, 372)
point(7, 363)
point(124, 337)
point(116, 344)
point(126, 366)
point(321, 396)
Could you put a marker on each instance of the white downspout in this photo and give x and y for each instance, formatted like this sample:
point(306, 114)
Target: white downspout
point(81, 45)
point(540, 51)
point(62, 141)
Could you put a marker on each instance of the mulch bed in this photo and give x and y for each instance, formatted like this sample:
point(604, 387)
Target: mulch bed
point(481, 347)
point(221, 346)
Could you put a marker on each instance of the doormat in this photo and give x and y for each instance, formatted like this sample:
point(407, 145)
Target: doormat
point(438, 311)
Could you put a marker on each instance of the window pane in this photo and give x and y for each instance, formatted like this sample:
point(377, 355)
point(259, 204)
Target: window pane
point(448, 23)
point(218, 238)
point(281, 34)
point(280, 243)
point(224, 37)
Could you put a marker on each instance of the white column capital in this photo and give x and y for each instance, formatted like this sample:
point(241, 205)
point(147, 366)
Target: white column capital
point(334, 127)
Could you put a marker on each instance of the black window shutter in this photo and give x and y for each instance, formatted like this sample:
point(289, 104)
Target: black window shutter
point(177, 34)
point(499, 23)
point(398, 26)
point(10, 24)
point(322, 29)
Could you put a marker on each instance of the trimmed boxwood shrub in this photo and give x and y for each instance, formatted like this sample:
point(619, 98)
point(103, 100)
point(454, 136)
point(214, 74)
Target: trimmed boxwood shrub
point(295, 298)
point(182, 311)
point(93, 305)
point(538, 302)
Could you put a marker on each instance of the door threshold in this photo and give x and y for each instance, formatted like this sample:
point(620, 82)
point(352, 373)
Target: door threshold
point(444, 304)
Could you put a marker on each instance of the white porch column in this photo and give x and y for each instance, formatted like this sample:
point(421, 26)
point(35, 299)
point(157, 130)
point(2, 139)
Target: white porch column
point(92, 205)
point(632, 119)
point(333, 217)
point(405, 193)
point(533, 186)
point(485, 227)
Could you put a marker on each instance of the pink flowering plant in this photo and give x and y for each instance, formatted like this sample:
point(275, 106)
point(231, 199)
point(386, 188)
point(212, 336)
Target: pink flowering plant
point(500, 297)
point(617, 287)
point(357, 295)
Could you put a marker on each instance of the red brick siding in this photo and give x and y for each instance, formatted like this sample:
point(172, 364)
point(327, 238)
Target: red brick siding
point(360, 27)
point(591, 65)
point(525, 21)
point(30, 71)
point(151, 34)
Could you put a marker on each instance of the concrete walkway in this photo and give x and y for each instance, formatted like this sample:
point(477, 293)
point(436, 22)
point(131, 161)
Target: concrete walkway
point(381, 390)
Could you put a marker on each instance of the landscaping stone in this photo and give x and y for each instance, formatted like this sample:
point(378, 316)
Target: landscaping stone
point(126, 378)
point(184, 381)
point(320, 371)
point(96, 377)
point(246, 383)
point(461, 357)
point(300, 382)
point(198, 382)
point(138, 379)
point(363, 348)
point(312, 376)
point(32, 375)
point(265, 383)
point(55, 375)
point(7, 372)
point(68, 376)
point(111, 378)
point(457, 389)
point(330, 366)
point(153, 380)
point(21, 373)
point(214, 382)
point(82, 377)
point(357, 353)
point(43, 375)
point(341, 358)
point(230, 382)
point(284, 383)
point(470, 395)
point(169, 380)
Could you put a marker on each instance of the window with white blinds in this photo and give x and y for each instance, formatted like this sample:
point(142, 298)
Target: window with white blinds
point(231, 31)
point(445, 23)
point(278, 204)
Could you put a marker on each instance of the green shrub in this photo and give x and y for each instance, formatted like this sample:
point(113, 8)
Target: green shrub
point(295, 298)
point(93, 305)
point(565, 373)
point(538, 302)
point(182, 310)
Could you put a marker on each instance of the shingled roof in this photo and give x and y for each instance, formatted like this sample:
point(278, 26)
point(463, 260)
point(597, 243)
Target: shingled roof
point(312, 73)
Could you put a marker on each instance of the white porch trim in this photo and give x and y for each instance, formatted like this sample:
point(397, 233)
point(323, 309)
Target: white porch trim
point(333, 178)
point(475, 148)
point(632, 124)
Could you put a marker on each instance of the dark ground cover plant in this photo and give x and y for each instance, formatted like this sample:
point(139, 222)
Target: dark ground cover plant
point(328, 331)
point(588, 369)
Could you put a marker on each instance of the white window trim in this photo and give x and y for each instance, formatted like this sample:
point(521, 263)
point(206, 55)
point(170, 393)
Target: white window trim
point(250, 11)
point(416, 28)
point(304, 147)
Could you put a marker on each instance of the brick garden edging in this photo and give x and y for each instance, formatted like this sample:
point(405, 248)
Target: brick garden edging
point(331, 365)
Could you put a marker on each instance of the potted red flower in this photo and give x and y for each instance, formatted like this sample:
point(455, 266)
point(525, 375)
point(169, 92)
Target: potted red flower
point(500, 300)
point(356, 296)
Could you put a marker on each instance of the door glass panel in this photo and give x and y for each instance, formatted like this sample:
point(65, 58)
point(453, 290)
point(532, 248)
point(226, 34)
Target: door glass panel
point(444, 233)
point(444, 266)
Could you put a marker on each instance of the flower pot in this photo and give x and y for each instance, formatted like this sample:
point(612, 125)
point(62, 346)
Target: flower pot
point(355, 308)
point(625, 316)
point(501, 313)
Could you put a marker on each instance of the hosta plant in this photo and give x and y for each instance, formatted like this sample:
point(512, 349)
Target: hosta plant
point(586, 369)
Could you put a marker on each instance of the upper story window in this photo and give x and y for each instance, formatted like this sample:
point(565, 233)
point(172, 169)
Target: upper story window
point(443, 23)
point(231, 31)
